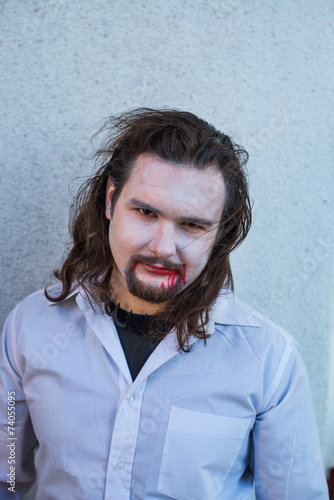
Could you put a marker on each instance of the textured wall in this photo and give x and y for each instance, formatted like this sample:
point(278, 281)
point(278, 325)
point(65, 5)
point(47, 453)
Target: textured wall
point(258, 70)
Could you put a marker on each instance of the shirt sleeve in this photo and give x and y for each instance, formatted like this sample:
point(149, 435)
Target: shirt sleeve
point(16, 432)
point(286, 458)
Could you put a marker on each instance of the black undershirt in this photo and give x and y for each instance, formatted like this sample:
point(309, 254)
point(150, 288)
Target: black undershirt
point(133, 334)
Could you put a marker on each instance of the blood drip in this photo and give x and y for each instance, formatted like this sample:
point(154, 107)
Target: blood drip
point(171, 278)
point(183, 276)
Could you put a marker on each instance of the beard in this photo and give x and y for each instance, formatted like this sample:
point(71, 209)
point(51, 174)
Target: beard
point(154, 293)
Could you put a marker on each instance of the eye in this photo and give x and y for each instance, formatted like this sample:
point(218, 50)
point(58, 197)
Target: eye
point(146, 212)
point(192, 226)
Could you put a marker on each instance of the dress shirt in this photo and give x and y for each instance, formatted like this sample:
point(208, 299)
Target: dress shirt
point(202, 425)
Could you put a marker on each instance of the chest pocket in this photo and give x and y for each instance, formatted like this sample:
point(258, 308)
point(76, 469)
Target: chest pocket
point(199, 452)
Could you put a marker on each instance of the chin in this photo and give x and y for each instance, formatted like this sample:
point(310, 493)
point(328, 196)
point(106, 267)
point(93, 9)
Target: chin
point(153, 294)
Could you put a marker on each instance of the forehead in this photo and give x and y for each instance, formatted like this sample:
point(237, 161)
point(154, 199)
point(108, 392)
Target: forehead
point(182, 189)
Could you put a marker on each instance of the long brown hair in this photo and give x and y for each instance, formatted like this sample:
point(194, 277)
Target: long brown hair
point(183, 139)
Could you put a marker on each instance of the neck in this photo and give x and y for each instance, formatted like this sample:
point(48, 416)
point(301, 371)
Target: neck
point(127, 301)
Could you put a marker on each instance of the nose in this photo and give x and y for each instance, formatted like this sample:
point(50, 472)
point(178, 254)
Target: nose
point(163, 241)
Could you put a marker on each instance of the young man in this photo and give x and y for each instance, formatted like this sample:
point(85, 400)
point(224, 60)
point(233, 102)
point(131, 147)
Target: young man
point(142, 376)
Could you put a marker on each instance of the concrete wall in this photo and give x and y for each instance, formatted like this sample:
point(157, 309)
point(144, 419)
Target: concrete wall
point(330, 413)
point(259, 70)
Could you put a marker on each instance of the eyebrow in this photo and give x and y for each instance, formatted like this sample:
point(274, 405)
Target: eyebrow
point(200, 221)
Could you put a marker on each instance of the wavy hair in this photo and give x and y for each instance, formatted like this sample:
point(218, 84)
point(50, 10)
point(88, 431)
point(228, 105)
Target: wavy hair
point(181, 138)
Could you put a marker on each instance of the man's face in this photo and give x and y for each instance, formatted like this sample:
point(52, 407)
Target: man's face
point(162, 230)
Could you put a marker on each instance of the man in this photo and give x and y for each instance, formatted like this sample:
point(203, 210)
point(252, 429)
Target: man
point(142, 376)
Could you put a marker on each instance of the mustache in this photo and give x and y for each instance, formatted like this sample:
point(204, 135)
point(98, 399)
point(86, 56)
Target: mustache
point(153, 261)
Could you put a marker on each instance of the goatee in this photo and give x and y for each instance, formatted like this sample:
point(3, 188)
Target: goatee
point(154, 294)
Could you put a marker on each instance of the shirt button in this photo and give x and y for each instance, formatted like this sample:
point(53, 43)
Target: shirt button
point(119, 465)
point(129, 398)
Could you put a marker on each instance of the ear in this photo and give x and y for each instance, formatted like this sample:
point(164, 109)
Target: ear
point(109, 194)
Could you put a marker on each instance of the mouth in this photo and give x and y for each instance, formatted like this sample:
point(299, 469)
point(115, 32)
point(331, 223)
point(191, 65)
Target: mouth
point(160, 270)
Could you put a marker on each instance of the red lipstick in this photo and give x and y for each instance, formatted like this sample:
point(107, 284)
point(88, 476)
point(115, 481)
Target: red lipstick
point(159, 270)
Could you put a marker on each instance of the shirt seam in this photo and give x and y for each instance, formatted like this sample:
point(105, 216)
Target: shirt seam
point(278, 375)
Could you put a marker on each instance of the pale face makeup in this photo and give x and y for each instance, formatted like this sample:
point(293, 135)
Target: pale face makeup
point(162, 230)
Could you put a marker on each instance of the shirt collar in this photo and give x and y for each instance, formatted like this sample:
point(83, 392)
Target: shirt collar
point(56, 290)
point(226, 310)
point(229, 310)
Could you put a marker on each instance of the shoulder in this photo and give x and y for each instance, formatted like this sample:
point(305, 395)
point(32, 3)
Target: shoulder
point(27, 308)
point(231, 314)
point(37, 304)
point(257, 344)
point(36, 314)
point(35, 324)
point(33, 301)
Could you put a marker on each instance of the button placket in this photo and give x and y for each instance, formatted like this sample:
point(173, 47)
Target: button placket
point(123, 444)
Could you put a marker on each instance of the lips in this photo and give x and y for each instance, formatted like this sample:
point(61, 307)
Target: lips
point(159, 270)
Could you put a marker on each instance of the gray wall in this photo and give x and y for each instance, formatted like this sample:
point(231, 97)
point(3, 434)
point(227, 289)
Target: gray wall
point(259, 70)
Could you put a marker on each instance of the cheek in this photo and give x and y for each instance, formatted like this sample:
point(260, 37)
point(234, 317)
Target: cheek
point(125, 240)
point(195, 257)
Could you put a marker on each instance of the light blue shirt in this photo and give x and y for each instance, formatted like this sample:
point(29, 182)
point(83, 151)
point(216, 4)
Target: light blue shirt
point(201, 425)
